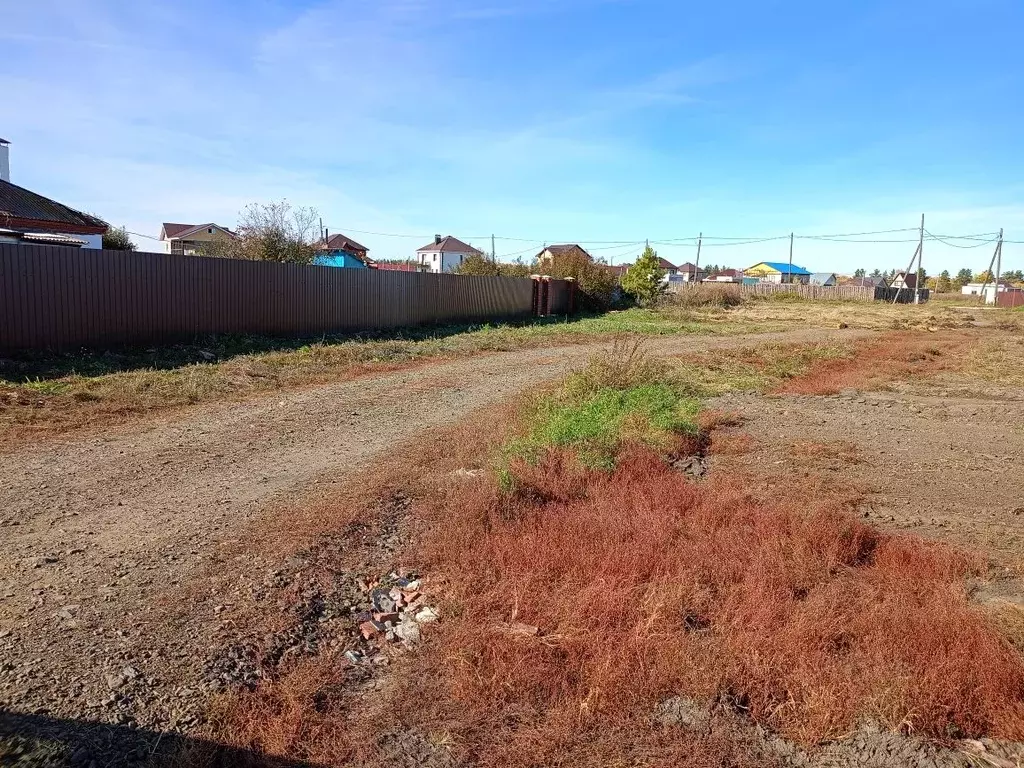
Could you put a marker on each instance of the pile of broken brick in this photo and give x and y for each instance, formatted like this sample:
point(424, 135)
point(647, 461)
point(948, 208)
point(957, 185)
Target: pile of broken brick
point(397, 610)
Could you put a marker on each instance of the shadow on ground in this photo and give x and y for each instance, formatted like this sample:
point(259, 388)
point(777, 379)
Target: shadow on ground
point(38, 740)
point(41, 365)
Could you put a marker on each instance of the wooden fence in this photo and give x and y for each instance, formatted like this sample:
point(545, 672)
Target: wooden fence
point(817, 292)
point(58, 298)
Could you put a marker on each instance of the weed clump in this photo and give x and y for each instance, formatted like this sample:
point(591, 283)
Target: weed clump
point(621, 397)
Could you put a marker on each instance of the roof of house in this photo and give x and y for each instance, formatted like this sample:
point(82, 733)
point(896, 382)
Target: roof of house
point(822, 277)
point(617, 269)
point(341, 242)
point(783, 267)
point(564, 248)
point(666, 265)
point(180, 231)
point(689, 268)
point(4, 141)
point(448, 244)
point(47, 238)
point(37, 211)
point(909, 280)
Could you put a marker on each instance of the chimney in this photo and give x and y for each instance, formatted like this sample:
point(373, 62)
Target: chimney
point(437, 239)
point(5, 160)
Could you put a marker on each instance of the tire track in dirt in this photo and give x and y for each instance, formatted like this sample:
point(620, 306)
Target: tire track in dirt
point(98, 526)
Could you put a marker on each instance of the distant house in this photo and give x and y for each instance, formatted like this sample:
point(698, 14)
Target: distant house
point(690, 273)
point(341, 251)
point(725, 276)
point(31, 219)
point(904, 280)
point(191, 239)
point(618, 270)
point(823, 278)
point(865, 281)
point(444, 254)
point(567, 249)
point(671, 271)
point(778, 272)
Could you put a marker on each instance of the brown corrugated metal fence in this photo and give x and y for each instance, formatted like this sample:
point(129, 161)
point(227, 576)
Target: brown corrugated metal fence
point(56, 297)
point(1010, 299)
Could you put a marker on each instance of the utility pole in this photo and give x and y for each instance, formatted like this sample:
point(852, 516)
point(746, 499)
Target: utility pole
point(494, 254)
point(910, 266)
point(999, 264)
point(696, 267)
point(920, 253)
point(789, 277)
point(995, 261)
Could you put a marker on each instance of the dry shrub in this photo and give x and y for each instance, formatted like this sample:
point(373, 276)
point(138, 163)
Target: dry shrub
point(627, 364)
point(645, 585)
point(877, 362)
point(702, 295)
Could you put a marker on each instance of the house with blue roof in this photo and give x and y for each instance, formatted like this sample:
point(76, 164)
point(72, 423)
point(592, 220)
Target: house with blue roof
point(778, 272)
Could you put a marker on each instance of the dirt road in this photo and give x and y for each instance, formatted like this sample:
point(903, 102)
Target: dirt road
point(97, 527)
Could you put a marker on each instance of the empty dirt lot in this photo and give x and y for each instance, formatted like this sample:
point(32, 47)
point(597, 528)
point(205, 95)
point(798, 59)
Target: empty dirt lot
point(100, 528)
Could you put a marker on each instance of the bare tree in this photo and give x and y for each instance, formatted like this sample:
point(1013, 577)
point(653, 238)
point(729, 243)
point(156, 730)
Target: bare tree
point(272, 232)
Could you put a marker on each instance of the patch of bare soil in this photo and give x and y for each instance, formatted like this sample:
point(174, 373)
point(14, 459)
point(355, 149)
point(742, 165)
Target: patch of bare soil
point(938, 464)
point(104, 534)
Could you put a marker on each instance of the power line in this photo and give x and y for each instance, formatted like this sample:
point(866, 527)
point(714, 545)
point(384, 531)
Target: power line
point(841, 239)
point(139, 234)
point(942, 239)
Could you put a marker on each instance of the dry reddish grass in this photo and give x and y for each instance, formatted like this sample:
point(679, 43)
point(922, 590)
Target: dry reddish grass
point(645, 585)
point(879, 361)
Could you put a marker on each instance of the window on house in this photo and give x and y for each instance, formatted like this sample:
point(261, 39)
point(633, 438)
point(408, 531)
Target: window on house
point(209, 230)
point(435, 257)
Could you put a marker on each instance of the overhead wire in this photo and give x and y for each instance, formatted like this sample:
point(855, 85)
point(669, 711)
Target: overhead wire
point(944, 241)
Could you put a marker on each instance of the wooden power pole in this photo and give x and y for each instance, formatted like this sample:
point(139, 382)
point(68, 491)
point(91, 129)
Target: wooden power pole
point(789, 277)
point(920, 253)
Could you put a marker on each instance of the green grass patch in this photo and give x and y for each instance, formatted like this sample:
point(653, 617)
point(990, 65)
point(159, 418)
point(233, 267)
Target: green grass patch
point(623, 396)
point(597, 426)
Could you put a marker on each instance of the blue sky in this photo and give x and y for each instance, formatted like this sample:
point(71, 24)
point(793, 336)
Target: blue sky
point(596, 121)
